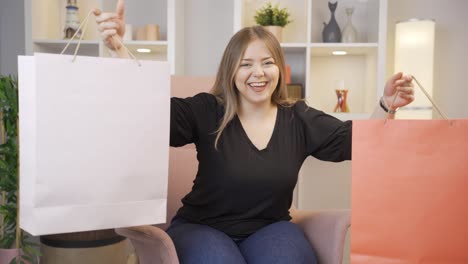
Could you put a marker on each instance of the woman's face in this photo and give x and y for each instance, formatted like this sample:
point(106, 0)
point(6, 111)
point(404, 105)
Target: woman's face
point(257, 76)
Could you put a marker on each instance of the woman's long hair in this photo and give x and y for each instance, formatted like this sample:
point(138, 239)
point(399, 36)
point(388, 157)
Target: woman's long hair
point(224, 87)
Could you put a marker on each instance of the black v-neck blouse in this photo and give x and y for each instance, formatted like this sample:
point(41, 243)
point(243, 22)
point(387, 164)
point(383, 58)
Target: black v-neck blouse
point(239, 189)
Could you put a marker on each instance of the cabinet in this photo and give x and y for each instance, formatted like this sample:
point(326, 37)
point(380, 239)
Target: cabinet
point(45, 21)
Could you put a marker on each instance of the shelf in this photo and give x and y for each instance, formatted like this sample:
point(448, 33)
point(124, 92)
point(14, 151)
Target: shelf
point(295, 57)
point(157, 50)
point(91, 47)
point(44, 30)
point(326, 49)
point(350, 116)
point(343, 45)
point(87, 47)
point(357, 73)
point(365, 18)
point(146, 43)
point(294, 45)
point(140, 13)
point(63, 42)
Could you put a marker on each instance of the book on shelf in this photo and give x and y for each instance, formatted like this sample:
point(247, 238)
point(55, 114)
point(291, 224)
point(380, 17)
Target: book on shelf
point(295, 90)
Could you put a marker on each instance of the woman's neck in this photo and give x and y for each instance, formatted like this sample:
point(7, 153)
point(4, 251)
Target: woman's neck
point(251, 111)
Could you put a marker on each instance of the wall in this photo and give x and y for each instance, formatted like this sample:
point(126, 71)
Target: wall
point(450, 89)
point(208, 27)
point(11, 35)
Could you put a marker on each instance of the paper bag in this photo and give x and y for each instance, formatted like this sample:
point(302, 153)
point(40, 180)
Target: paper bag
point(94, 143)
point(409, 192)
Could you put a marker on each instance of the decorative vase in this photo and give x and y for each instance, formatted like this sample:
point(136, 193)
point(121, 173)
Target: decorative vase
point(341, 104)
point(72, 22)
point(152, 32)
point(331, 31)
point(277, 31)
point(349, 31)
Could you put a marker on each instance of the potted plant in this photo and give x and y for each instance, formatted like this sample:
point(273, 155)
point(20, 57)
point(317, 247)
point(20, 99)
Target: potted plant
point(15, 246)
point(273, 19)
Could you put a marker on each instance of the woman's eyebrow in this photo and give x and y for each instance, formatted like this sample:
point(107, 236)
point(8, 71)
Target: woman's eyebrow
point(249, 59)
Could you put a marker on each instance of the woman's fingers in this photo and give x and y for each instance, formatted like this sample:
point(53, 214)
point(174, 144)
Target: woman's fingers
point(408, 77)
point(108, 37)
point(395, 77)
point(120, 9)
point(408, 97)
point(405, 89)
point(97, 11)
point(108, 25)
point(108, 33)
point(106, 16)
point(111, 24)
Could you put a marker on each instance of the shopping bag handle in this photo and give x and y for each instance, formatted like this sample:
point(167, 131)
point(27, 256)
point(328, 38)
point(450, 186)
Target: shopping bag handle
point(84, 25)
point(427, 95)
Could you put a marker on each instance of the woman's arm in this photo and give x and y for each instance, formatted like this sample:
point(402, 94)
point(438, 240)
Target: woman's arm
point(379, 113)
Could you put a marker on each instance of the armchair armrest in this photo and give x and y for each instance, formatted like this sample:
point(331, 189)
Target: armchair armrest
point(326, 231)
point(151, 244)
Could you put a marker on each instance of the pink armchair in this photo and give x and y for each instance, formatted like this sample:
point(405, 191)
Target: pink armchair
point(325, 230)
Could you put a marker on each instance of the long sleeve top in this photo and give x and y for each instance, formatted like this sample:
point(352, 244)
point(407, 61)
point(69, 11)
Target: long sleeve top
point(238, 188)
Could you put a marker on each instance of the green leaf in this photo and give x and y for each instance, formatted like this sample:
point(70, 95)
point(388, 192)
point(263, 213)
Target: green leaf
point(3, 164)
point(26, 257)
point(31, 251)
point(9, 158)
point(7, 241)
point(270, 15)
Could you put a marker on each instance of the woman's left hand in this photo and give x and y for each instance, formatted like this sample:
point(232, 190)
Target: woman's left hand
point(401, 86)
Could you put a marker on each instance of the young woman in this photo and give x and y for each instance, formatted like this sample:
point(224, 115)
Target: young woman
point(251, 142)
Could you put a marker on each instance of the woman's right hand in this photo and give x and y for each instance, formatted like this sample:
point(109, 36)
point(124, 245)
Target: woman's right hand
point(110, 25)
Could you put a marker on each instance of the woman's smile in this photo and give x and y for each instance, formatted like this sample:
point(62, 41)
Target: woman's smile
point(258, 86)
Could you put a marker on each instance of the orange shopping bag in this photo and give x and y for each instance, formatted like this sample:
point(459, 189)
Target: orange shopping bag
point(409, 192)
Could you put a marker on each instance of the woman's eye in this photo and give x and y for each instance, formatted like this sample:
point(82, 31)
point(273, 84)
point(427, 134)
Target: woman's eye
point(245, 65)
point(269, 62)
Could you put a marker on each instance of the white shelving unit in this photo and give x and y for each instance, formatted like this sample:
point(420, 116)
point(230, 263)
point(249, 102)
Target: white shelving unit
point(311, 60)
point(44, 30)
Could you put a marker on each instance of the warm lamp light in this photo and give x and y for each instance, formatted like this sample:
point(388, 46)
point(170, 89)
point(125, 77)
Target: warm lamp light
point(414, 54)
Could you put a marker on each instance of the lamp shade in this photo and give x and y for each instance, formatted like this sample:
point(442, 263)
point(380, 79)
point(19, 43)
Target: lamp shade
point(414, 54)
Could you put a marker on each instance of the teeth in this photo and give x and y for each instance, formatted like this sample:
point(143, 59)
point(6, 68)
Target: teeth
point(257, 84)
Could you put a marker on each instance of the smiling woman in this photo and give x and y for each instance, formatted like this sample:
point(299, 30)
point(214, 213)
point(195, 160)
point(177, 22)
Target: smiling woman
point(252, 57)
point(256, 80)
point(257, 75)
point(251, 141)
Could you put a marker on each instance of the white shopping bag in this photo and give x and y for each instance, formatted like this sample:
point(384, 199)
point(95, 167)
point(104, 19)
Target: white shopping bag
point(94, 143)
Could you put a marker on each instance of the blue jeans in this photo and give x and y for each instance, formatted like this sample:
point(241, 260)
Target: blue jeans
point(280, 242)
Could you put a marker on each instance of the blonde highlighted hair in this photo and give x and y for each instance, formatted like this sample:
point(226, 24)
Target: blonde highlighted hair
point(224, 87)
